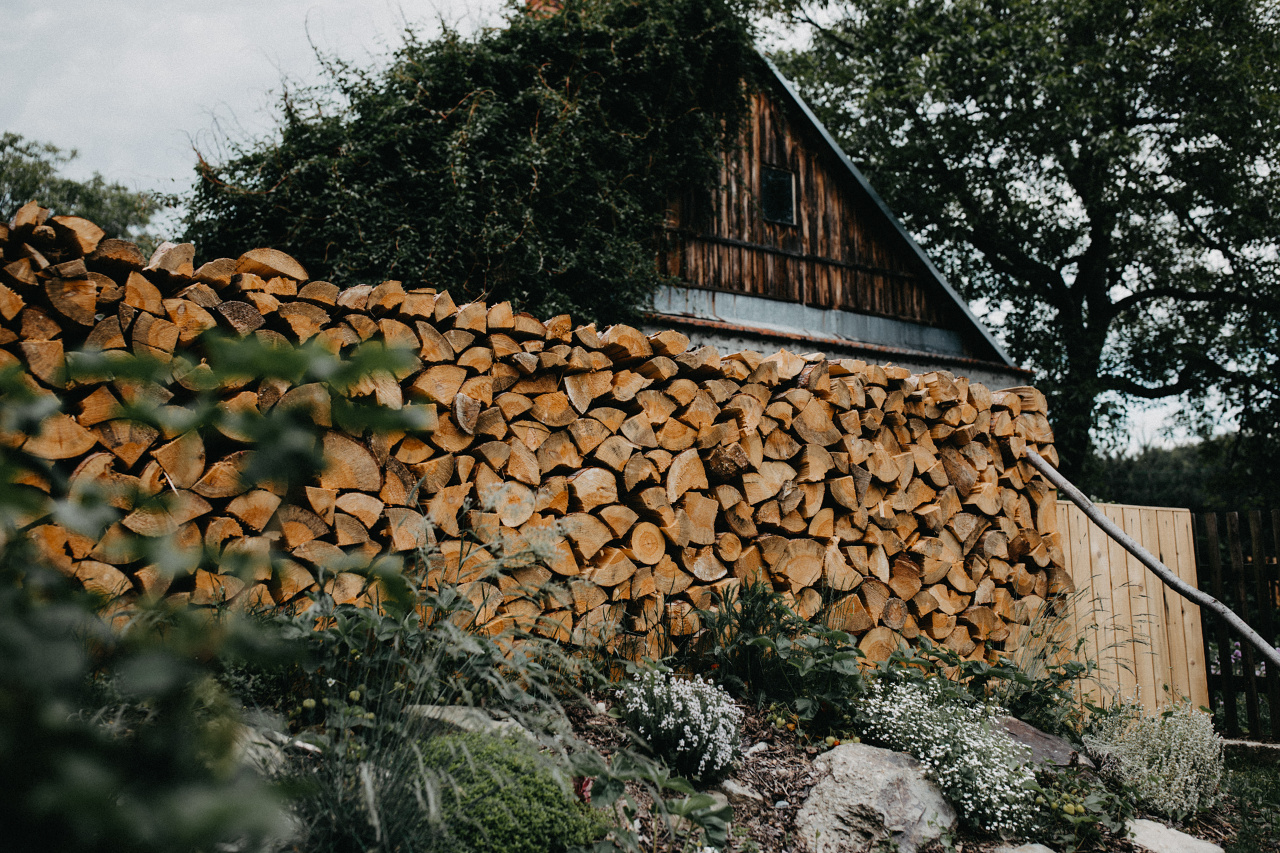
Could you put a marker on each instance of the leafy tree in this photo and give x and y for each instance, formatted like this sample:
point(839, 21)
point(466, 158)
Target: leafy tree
point(1104, 176)
point(530, 163)
point(29, 171)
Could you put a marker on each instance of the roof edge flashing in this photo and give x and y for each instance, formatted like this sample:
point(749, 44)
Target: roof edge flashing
point(856, 174)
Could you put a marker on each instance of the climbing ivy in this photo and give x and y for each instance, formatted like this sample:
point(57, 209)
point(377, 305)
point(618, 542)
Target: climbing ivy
point(531, 163)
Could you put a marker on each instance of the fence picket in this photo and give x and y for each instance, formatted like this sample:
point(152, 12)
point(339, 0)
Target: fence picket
point(1193, 630)
point(1226, 668)
point(1236, 551)
point(1109, 557)
point(1266, 621)
point(1177, 667)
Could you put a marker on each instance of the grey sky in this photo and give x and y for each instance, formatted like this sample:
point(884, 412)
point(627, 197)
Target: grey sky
point(133, 85)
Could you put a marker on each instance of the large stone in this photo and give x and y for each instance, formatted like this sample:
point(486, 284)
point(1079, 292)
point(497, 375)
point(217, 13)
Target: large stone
point(469, 719)
point(869, 799)
point(1023, 848)
point(1045, 748)
point(1159, 838)
point(738, 793)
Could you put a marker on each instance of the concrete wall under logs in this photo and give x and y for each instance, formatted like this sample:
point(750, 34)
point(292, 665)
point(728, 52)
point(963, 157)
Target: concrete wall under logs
point(888, 504)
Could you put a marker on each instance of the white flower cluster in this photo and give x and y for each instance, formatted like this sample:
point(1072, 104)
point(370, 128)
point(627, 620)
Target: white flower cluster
point(1172, 760)
point(984, 774)
point(691, 723)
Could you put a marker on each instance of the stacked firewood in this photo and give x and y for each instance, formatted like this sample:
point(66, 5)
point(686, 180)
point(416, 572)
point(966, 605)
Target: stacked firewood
point(656, 477)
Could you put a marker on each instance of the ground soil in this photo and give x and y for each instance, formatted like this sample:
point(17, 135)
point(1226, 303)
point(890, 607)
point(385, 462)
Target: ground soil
point(778, 765)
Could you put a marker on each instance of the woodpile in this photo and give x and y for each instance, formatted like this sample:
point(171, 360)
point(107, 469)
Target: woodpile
point(658, 476)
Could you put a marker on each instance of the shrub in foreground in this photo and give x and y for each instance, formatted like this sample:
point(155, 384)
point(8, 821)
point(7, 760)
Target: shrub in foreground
point(1172, 761)
point(690, 723)
point(503, 794)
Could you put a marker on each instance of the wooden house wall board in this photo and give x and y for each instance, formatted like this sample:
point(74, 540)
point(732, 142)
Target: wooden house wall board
point(838, 255)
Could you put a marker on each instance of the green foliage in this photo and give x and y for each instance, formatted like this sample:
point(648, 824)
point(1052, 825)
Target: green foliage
point(690, 723)
point(1077, 811)
point(530, 163)
point(760, 650)
point(505, 796)
point(1172, 760)
point(710, 816)
point(160, 778)
point(112, 734)
point(1190, 476)
point(1103, 176)
point(1223, 473)
point(1253, 788)
point(29, 171)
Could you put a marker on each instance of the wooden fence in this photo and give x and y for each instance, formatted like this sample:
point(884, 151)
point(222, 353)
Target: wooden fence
point(1238, 567)
point(1146, 638)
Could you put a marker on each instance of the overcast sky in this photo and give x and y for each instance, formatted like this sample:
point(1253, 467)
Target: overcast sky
point(133, 85)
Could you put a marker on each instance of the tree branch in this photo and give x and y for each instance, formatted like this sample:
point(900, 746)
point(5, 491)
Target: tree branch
point(1126, 385)
point(1184, 295)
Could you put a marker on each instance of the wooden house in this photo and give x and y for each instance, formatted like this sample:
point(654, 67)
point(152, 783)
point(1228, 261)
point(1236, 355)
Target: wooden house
point(795, 249)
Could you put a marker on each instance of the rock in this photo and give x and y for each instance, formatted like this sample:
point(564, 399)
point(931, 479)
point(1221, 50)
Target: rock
point(1045, 748)
point(469, 719)
point(1159, 838)
point(737, 793)
point(256, 748)
point(867, 799)
point(1023, 848)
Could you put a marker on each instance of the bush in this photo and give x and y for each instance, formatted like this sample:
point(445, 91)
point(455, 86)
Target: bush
point(979, 769)
point(690, 723)
point(1172, 761)
point(1077, 809)
point(763, 652)
point(502, 794)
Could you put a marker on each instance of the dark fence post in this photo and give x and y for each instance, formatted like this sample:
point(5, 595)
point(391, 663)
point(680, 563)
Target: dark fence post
point(1226, 669)
point(1262, 601)
point(1238, 572)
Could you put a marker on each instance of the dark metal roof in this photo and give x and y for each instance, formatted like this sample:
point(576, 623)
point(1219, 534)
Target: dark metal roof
point(861, 181)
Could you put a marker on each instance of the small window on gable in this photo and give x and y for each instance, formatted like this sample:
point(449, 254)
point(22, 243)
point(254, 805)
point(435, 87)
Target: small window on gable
point(778, 195)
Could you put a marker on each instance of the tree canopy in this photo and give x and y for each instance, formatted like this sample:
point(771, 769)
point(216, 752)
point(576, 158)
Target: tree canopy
point(1103, 177)
point(29, 171)
point(531, 163)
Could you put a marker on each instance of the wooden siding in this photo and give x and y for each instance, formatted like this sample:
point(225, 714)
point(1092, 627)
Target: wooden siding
point(841, 253)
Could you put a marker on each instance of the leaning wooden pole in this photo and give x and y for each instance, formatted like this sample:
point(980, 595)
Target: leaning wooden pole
point(1186, 590)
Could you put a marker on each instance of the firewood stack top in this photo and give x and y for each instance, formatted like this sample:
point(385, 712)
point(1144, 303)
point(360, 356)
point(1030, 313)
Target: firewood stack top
point(889, 504)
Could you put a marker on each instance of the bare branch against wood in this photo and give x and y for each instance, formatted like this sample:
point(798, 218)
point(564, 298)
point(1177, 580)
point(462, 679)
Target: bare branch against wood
point(1186, 590)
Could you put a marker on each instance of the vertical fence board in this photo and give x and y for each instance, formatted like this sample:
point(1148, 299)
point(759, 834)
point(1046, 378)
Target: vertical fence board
point(1089, 545)
point(1226, 667)
point(1236, 551)
point(1140, 606)
point(1260, 571)
point(1114, 582)
point(1146, 637)
point(1193, 630)
point(1153, 589)
point(1174, 632)
point(1084, 610)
